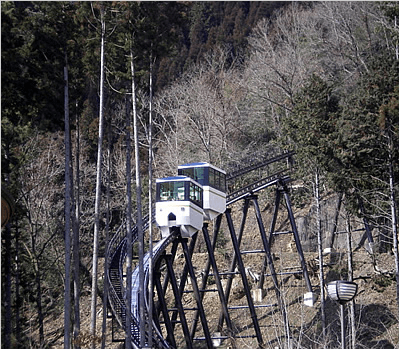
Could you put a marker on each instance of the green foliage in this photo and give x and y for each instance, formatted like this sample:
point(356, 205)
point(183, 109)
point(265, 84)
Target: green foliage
point(352, 138)
point(35, 37)
point(311, 125)
point(381, 282)
point(224, 23)
point(367, 132)
point(32, 64)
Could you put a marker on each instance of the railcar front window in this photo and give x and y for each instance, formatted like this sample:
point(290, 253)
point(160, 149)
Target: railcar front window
point(164, 191)
point(171, 191)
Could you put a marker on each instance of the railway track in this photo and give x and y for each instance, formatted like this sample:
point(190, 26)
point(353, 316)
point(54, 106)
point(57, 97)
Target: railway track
point(117, 254)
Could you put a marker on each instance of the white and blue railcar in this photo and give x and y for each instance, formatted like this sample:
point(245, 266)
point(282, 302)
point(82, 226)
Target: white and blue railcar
point(213, 181)
point(179, 203)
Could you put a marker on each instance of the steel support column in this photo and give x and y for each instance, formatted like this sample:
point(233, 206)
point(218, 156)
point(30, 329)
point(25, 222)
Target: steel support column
point(206, 271)
point(234, 261)
point(179, 304)
point(166, 279)
point(162, 302)
point(296, 237)
point(266, 246)
point(271, 236)
point(184, 275)
point(244, 277)
point(212, 262)
point(194, 284)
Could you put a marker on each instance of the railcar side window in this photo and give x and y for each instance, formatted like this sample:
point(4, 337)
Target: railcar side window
point(212, 180)
point(196, 194)
point(189, 172)
point(222, 181)
point(199, 175)
point(217, 179)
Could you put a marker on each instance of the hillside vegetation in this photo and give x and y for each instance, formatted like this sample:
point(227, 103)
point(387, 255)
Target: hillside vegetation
point(229, 83)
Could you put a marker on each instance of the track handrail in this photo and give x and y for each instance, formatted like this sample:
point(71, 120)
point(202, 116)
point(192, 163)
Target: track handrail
point(256, 186)
point(260, 164)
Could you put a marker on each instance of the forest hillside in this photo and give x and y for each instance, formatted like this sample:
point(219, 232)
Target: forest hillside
point(100, 98)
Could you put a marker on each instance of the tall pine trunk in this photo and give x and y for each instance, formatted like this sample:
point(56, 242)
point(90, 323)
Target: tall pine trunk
point(393, 217)
point(98, 190)
point(7, 298)
point(129, 236)
point(106, 266)
point(150, 185)
point(67, 294)
point(8, 277)
point(17, 283)
point(138, 203)
point(76, 241)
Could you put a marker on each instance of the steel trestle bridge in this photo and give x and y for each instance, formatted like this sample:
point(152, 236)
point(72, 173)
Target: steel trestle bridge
point(179, 323)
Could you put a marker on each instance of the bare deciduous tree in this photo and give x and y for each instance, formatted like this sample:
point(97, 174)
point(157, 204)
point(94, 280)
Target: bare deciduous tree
point(200, 113)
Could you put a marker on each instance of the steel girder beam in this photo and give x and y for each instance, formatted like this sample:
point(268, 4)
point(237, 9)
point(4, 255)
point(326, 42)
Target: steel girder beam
point(212, 262)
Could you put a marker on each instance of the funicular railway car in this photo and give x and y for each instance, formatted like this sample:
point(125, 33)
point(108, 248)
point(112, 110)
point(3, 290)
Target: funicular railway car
point(179, 203)
point(213, 181)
